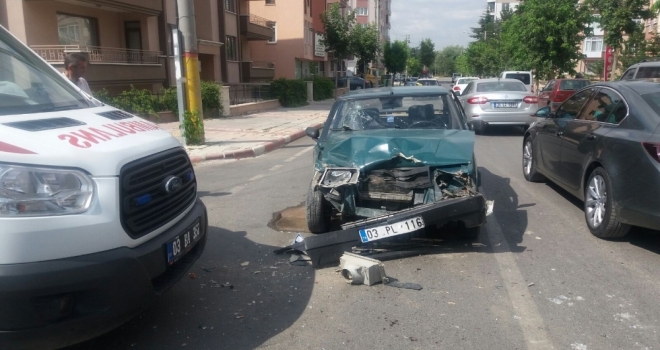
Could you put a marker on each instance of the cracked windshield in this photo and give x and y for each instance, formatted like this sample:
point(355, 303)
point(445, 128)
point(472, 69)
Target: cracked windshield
point(329, 174)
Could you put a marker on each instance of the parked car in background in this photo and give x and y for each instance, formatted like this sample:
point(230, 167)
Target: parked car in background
point(461, 83)
point(525, 77)
point(498, 102)
point(602, 145)
point(454, 77)
point(427, 82)
point(356, 83)
point(643, 70)
point(558, 90)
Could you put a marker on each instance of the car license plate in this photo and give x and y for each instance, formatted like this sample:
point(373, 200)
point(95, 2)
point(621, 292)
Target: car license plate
point(183, 243)
point(505, 105)
point(399, 228)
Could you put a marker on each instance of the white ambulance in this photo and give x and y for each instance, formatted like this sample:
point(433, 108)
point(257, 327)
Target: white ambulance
point(98, 208)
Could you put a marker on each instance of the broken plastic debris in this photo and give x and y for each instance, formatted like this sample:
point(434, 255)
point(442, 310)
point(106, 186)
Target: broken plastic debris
point(397, 284)
point(208, 269)
point(256, 272)
point(240, 316)
point(192, 275)
point(531, 284)
point(299, 239)
point(357, 269)
point(245, 263)
point(489, 207)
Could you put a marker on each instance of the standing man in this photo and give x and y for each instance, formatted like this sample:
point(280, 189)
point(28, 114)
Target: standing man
point(74, 69)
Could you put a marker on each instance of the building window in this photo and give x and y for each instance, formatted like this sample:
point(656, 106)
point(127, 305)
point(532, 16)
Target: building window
point(270, 2)
point(232, 48)
point(593, 47)
point(230, 5)
point(273, 25)
point(77, 30)
point(506, 6)
point(491, 7)
point(362, 11)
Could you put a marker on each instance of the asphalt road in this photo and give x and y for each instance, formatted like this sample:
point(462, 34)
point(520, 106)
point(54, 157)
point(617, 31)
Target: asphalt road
point(537, 279)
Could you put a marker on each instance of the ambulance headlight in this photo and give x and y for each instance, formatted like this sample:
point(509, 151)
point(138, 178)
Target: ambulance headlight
point(32, 191)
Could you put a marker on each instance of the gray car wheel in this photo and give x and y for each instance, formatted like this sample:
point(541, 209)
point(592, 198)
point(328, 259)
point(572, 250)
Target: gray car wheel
point(601, 215)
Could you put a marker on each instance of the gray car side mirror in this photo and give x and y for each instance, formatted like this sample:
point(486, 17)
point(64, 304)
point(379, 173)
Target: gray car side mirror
point(543, 112)
point(312, 132)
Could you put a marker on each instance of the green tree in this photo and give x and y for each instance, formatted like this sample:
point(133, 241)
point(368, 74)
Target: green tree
point(461, 65)
point(445, 60)
point(395, 56)
point(365, 42)
point(337, 38)
point(414, 66)
point(597, 67)
point(427, 53)
point(546, 36)
point(617, 18)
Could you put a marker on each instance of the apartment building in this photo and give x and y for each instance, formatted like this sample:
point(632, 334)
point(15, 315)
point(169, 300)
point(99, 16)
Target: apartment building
point(496, 7)
point(593, 48)
point(122, 38)
point(295, 48)
point(376, 12)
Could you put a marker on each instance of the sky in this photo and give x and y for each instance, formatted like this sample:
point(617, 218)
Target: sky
point(443, 21)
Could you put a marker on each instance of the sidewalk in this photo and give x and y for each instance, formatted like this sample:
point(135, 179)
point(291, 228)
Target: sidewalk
point(255, 134)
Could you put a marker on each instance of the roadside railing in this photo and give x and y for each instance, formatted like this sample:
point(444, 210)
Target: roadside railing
point(97, 54)
point(248, 93)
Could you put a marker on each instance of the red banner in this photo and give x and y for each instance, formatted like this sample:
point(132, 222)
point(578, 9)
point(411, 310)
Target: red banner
point(609, 61)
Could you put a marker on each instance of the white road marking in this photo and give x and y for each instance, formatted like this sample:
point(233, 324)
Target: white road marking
point(237, 189)
point(531, 322)
point(257, 177)
point(275, 167)
point(295, 156)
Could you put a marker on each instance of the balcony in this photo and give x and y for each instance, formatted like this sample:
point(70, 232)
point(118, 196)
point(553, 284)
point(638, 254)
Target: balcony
point(257, 71)
point(56, 54)
point(256, 28)
point(110, 65)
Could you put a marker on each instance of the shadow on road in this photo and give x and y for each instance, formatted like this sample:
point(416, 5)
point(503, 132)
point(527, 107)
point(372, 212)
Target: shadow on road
point(510, 214)
point(499, 130)
point(227, 305)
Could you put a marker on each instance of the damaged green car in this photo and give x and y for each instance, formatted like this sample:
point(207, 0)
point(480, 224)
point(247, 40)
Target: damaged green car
point(393, 161)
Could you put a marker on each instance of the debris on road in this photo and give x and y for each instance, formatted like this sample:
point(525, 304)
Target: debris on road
point(531, 284)
point(396, 284)
point(192, 275)
point(208, 269)
point(245, 263)
point(358, 269)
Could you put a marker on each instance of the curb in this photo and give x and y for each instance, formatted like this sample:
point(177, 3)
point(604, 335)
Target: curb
point(254, 151)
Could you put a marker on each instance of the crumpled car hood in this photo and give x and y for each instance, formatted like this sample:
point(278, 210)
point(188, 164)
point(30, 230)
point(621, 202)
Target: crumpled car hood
point(367, 149)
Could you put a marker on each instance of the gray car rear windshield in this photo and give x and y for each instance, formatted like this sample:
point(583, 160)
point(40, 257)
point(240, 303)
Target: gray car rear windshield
point(397, 112)
point(573, 84)
point(648, 72)
point(501, 86)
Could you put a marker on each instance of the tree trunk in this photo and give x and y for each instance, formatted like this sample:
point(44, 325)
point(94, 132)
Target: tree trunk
point(615, 62)
point(336, 79)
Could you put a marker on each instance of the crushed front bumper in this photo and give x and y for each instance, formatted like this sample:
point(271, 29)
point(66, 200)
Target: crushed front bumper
point(325, 249)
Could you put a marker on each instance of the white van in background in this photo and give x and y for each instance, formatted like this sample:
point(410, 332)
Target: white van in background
point(525, 76)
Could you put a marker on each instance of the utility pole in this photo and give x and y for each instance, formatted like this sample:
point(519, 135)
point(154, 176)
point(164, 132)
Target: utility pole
point(186, 12)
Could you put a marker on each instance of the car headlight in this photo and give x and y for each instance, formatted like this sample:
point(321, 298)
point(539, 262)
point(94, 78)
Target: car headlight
point(32, 191)
point(337, 177)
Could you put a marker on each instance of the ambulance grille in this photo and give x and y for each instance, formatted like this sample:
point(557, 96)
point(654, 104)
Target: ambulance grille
point(45, 124)
point(146, 205)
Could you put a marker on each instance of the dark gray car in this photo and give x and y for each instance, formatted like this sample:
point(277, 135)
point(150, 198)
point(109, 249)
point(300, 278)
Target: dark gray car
point(602, 146)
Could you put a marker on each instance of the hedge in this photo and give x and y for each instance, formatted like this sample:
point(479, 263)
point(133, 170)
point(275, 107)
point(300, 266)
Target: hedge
point(143, 101)
point(290, 93)
point(324, 88)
